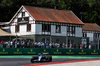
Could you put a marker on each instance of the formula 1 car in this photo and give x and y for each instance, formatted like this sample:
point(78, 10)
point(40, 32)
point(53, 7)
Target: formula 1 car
point(43, 57)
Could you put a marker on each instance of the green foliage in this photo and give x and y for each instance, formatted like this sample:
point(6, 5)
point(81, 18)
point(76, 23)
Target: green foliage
point(90, 16)
point(6, 3)
point(91, 3)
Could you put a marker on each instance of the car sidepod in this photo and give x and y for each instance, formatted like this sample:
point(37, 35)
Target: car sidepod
point(33, 59)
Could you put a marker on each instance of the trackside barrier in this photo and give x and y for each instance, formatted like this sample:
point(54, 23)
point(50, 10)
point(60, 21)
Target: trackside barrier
point(53, 51)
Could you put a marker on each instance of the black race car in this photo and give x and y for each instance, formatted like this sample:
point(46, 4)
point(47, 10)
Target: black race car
point(42, 57)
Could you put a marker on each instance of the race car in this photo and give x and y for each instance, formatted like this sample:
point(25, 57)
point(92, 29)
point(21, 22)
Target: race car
point(42, 57)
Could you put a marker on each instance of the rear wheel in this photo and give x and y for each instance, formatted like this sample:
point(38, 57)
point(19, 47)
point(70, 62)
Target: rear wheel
point(50, 58)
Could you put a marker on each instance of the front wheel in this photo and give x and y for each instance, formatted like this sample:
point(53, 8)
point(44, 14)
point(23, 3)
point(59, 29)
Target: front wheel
point(32, 60)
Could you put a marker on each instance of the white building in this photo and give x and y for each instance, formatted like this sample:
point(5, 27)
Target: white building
point(92, 30)
point(47, 25)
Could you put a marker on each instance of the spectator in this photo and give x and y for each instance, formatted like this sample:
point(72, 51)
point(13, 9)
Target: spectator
point(66, 46)
point(39, 45)
point(42, 45)
point(32, 45)
point(22, 44)
point(85, 46)
point(6, 44)
point(50, 45)
point(35, 44)
point(58, 45)
point(81, 46)
point(11, 44)
point(74, 45)
point(70, 46)
point(63, 45)
point(28, 44)
point(2, 42)
point(18, 46)
point(53, 45)
point(47, 45)
point(89, 46)
point(25, 45)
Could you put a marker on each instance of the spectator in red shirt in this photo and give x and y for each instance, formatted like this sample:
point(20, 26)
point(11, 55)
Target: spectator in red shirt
point(1, 44)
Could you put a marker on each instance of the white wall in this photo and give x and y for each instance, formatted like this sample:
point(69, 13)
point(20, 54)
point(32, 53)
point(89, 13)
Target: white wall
point(33, 28)
point(22, 30)
point(12, 29)
point(90, 35)
point(26, 14)
point(38, 28)
point(63, 30)
point(53, 31)
point(78, 32)
point(19, 15)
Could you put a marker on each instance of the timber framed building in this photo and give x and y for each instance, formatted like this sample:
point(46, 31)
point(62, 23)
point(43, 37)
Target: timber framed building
point(47, 25)
point(92, 30)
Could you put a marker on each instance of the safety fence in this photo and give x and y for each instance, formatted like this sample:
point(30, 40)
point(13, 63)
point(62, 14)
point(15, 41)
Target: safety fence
point(53, 51)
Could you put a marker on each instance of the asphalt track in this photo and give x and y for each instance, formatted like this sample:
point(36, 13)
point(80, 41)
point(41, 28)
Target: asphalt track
point(25, 60)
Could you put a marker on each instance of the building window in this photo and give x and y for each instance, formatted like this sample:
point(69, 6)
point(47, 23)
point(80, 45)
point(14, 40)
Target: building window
point(68, 29)
point(23, 14)
point(84, 34)
point(17, 28)
point(19, 19)
point(23, 20)
point(26, 19)
point(96, 35)
point(58, 29)
point(46, 28)
point(71, 30)
point(28, 27)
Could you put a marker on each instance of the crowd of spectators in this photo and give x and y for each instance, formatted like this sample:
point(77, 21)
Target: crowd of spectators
point(30, 44)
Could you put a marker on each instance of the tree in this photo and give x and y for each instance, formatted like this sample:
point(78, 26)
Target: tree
point(5, 6)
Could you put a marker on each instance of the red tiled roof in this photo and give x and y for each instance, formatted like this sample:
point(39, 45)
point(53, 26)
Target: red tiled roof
point(53, 15)
point(91, 27)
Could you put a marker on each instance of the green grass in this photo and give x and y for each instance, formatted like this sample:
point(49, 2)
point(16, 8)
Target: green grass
point(29, 56)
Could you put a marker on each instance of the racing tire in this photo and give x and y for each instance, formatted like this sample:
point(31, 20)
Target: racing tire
point(50, 58)
point(32, 60)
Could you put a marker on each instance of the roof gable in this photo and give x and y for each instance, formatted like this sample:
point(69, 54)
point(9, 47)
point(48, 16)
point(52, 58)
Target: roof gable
point(17, 13)
point(53, 15)
point(91, 27)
